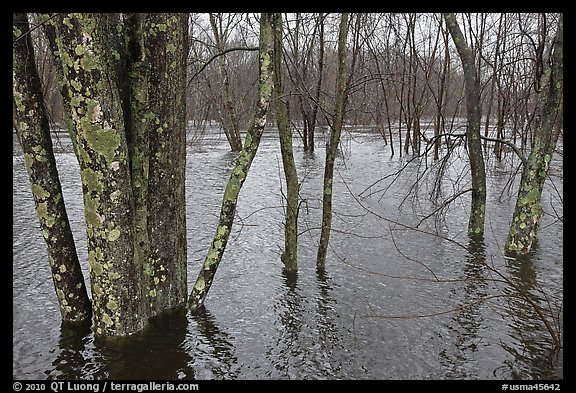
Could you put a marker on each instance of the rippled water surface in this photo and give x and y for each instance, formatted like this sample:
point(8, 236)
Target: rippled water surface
point(393, 303)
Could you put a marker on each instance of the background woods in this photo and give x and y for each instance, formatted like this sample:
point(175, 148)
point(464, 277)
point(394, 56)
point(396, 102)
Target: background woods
point(332, 156)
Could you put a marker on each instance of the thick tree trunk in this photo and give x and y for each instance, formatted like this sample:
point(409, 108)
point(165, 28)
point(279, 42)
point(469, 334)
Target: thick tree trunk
point(240, 171)
point(474, 145)
point(33, 130)
point(549, 114)
point(332, 145)
point(289, 256)
point(87, 49)
point(165, 271)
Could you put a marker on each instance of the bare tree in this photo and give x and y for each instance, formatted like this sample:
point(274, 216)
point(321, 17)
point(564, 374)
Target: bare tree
point(290, 254)
point(548, 123)
point(477, 169)
point(243, 163)
point(332, 145)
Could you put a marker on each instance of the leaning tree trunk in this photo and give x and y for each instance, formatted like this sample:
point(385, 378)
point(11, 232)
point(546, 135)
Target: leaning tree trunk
point(33, 130)
point(549, 113)
point(240, 171)
point(332, 145)
point(474, 145)
point(289, 256)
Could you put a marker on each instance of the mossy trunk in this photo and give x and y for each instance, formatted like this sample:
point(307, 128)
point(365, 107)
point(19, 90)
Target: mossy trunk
point(90, 66)
point(473, 143)
point(50, 33)
point(332, 145)
point(549, 114)
point(289, 256)
point(33, 130)
point(165, 281)
point(240, 171)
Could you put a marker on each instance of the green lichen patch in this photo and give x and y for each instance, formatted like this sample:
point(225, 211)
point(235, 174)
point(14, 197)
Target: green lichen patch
point(92, 179)
point(28, 161)
point(112, 305)
point(97, 290)
point(62, 269)
point(107, 320)
point(39, 192)
point(104, 141)
point(113, 235)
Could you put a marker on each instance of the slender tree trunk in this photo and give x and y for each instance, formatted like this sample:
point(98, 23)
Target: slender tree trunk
point(549, 115)
point(473, 109)
point(50, 33)
point(289, 256)
point(316, 104)
point(33, 130)
point(240, 171)
point(332, 145)
point(227, 110)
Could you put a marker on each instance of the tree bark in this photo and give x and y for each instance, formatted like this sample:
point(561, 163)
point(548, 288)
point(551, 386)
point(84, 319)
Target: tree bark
point(87, 48)
point(157, 52)
point(289, 256)
point(549, 115)
point(332, 145)
point(240, 171)
point(474, 145)
point(33, 131)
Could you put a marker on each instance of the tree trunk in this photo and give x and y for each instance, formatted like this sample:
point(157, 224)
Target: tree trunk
point(227, 110)
point(165, 274)
point(240, 171)
point(332, 145)
point(84, 42)
point(289, 256)
point(549, 114)
point(33, 130)
point(318, 90)
point(474, 145)
point(124, 82)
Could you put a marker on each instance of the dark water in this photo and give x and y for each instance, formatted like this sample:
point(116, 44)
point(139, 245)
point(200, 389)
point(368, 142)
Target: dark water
point(392, 304)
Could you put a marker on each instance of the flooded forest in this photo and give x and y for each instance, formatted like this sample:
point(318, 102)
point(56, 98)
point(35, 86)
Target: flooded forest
point(349, 196)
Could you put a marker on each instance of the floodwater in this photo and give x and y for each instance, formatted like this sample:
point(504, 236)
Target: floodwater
point(393, 303)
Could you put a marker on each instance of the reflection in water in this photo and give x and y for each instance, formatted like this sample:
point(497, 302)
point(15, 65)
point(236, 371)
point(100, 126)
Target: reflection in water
point(214, 346)
point(303, 350)
point(155, 353)
point(468, 320)
point(533, 357)
point(265, 325)
point(287, 347)
point(72, 357)
point(327, 327)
